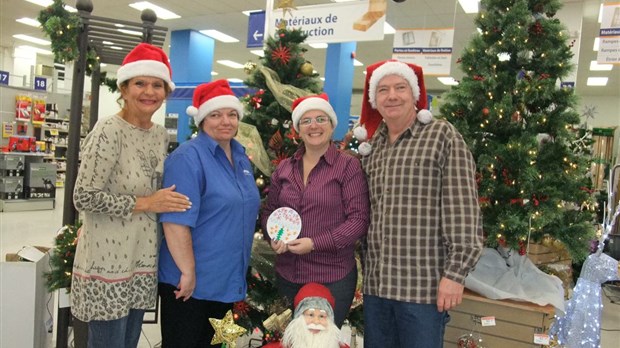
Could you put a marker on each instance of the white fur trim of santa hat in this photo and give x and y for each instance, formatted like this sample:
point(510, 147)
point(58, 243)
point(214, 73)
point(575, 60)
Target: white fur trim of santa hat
point(312, 102)
point(212, 96)
point(392, 68)
point(319, 303)
point(145, 60)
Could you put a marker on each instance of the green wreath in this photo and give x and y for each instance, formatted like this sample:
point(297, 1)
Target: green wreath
point(63, 28)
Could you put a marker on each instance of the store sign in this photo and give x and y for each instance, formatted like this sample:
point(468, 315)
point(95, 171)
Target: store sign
point(4, 77)
point(331, 23)
point(256, 29)
point(609, 44)
point(429, 48)
point(40, 83)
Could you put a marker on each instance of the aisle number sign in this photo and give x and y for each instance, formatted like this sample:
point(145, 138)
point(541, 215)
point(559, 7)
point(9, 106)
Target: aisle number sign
point(4, 77)
point(40, 83)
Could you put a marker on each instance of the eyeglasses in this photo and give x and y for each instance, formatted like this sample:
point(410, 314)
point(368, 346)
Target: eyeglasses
point(318, 120)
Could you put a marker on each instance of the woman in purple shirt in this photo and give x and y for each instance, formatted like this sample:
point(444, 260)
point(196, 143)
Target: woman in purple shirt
point(328, 189)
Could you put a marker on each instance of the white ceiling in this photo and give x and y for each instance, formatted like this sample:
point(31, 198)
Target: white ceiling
point(226, 17)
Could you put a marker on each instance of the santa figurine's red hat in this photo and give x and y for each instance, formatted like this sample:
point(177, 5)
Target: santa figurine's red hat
point(314, 295)
point(211, 96)
point(145, 60)
point(370, 118)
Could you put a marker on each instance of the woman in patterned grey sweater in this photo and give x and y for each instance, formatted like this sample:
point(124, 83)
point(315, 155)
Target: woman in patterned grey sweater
point(117, 189)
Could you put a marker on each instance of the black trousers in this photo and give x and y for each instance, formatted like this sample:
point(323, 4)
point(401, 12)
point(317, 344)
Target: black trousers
point(185, 324)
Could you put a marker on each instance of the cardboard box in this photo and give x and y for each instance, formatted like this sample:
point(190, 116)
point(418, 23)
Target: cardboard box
point(12, 162)
point(40, 180)
point(516, 322)
point(12, 184)
point(24, 300)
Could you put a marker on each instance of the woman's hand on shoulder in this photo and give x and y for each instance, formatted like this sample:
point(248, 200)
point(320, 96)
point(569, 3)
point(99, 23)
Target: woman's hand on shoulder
point(165, 200)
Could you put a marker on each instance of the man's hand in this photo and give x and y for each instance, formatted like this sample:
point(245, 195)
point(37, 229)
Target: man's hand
point(449, 294)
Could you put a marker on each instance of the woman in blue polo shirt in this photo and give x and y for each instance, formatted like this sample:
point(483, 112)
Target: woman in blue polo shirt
point(206, 250)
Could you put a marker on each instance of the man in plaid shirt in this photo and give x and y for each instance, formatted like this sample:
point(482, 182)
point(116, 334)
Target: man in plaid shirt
point(425, 234)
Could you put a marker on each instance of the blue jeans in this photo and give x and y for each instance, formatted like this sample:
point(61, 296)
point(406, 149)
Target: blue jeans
point(389, 323)
point(119, 333)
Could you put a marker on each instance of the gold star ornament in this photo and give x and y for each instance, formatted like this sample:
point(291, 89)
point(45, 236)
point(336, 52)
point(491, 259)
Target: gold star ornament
point(226, 331)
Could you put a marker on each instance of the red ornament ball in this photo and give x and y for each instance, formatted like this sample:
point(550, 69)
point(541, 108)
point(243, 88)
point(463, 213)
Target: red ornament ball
point(485, 111)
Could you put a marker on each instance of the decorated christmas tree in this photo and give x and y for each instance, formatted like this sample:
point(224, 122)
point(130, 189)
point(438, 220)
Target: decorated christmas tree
point(521, 126)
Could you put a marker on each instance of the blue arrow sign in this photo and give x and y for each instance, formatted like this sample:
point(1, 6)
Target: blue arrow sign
point(256, 29)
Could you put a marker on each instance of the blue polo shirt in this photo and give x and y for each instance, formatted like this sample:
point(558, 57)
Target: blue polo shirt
point(222, 219)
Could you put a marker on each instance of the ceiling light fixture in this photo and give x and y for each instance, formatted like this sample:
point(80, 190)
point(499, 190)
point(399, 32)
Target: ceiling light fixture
point(595, 66)
point(318, 45)
point(29, 21)
point(219, 36)
point(259, 53)
point(597, 81)
point(597, 41)
point(32, 39)
point(161, 12)
point(130, 32)
point(448, 81)
point(47, 3)
point(469, 6)
point(230, 64)
point(35, 49)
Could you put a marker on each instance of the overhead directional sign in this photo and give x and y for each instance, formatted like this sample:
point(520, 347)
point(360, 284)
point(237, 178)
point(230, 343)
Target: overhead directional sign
point(256, 29)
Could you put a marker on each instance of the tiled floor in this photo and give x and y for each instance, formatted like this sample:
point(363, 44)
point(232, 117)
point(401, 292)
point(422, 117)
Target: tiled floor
point(39, 228)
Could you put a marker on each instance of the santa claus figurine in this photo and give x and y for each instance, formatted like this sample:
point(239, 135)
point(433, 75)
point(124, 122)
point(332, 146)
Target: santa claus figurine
point(313, 321)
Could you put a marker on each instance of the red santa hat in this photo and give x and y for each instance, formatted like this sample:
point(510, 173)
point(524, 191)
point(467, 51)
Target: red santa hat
point(314, 295)
point(312, 102)
point(370, 118)
point(212, 96)
point(145, 60)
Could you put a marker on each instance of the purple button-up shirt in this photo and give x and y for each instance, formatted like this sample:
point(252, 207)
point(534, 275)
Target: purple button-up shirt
point(334, 210)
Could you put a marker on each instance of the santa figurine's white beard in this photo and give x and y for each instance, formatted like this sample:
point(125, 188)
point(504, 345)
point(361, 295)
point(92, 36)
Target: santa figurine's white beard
point(297, 335)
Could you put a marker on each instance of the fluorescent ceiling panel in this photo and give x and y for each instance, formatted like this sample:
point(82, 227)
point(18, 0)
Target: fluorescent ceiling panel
point(318, 45)
point(469, 6)
point(448, 81)
point(230, 64)
point(35, 49)
point(597, 81)
point(29, 21)
point(259, 53)
point(161, 12)
point(595, 66)
point(32, 39)
point(219, 36)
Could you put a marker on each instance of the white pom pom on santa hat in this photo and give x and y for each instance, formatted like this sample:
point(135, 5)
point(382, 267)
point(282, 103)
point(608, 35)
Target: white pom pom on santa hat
point(424, 116)
point(191, 110)
point(360, 133)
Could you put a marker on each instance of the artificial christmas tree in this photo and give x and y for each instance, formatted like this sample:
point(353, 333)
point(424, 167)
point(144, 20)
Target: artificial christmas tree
point(518, 123)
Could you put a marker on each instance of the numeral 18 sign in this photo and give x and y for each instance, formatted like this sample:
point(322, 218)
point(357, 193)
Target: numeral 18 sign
point(40, 83)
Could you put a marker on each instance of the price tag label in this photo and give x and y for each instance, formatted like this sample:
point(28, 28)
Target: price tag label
point(40, 83)
point(4, 77)
point(541, 339)
point(53, 131)
point(487, 321)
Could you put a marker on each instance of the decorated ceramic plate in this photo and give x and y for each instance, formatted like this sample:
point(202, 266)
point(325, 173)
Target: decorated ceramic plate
point(284, 224)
